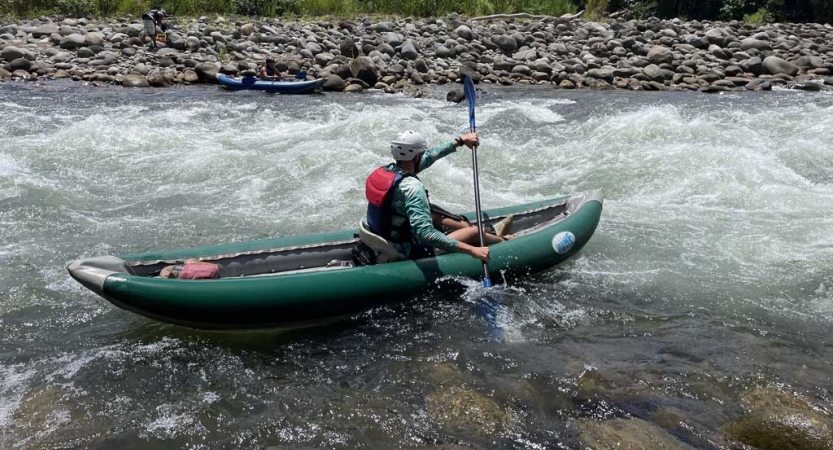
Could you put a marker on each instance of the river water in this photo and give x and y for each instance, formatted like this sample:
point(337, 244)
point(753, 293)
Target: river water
point(711, 271)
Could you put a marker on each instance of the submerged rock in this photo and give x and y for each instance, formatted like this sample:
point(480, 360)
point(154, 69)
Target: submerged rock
point(781, 428)
point(463, 409)
point(630, 434)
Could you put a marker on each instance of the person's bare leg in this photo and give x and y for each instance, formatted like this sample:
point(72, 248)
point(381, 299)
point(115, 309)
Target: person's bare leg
point(471, 236)
point(447, 224)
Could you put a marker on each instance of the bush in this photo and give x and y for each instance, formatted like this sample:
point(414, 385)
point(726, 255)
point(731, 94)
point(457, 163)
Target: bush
point(596, 9)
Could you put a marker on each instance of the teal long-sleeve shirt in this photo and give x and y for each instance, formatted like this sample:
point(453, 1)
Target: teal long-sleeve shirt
point(410, 200)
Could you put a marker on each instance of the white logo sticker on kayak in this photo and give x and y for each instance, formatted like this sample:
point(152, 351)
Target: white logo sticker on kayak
point(563, 242)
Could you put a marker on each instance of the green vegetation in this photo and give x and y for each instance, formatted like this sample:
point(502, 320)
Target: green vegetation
point(750, 11)
point(596, 9)
point(272, 8)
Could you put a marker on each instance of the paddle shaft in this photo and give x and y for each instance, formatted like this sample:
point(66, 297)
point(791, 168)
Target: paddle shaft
point(486, 281)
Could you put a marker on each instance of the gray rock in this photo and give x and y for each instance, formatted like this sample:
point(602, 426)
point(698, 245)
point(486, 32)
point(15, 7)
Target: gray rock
point(506, 43)
point(753, 65)
point(94, 38)
point(383, 27)
point(11, 53)
point(324, 59)
point(659, 54)
point(247, 29)
point(20, 64)
point(455, 95)
point(464, 32)
point(118, 38)
point(355, 88)
point(23, 75)
point(809, 62)
point(525, 55)
point(602, 74)
point(408, 50)
point(394, 39)
point(192, 43)
point(157, 80)
point(175, 40)
point(653, 72)
point(349, 48)
point(522, 69)
point(759, 84)
point(5, 73)
point(135, 81)
point(85, 52)
point(207, 72)
point(444, 52)
point(72, 41)
point(750, 43)
point(62, 57)
point(44, 30)
point(334, 83)
point(313, 48)
point(364, 69)
point(776, 65)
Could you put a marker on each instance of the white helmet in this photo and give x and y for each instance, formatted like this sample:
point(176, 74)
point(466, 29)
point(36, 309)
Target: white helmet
point(407, 146)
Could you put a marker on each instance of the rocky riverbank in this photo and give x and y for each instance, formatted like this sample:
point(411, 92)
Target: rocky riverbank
point(400, 55)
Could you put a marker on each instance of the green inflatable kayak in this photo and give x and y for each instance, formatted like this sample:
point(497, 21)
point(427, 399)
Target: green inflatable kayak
point(293, 280)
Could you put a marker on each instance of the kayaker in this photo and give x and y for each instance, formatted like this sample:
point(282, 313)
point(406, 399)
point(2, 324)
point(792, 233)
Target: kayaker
point(268, 70)
point(154, 19)
point(398, 208)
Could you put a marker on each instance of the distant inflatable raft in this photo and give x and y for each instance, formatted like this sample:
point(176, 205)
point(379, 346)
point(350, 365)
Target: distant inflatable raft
point(287, 281)
point(281, 87)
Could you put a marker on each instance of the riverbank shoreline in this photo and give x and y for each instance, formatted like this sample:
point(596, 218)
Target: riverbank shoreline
point(400, 55)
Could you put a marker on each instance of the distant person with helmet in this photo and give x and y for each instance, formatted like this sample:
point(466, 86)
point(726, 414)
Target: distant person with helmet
point(154, 19)
point(398, 208)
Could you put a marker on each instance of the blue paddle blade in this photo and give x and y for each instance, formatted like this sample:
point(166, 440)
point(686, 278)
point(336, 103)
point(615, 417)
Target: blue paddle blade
point(471, 96)
point(301, 75)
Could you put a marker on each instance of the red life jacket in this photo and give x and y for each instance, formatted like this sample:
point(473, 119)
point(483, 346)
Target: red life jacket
point(379, 189)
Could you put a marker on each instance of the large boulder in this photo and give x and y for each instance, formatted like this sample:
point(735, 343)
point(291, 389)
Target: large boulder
point(45, 30)
point(94, 38)
point(364, 69)
point(11, 53)
point(207, 72)
point(659, 54)
point(464, 32)
point(20, 64)
point(506, 43)
point(72, 41)
point(750, 43)
point(175, 40)
point(135, 81)
point(192, 43)
point(348, 48)
point(409, 50)
point(776, 65)
point(334, 83)
point(752, 65)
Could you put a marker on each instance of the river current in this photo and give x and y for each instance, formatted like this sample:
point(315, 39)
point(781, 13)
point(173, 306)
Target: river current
point(711, 271)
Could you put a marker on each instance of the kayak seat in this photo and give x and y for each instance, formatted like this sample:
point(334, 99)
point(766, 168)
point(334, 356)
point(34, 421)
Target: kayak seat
point(384, 249)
